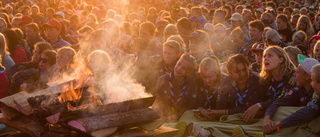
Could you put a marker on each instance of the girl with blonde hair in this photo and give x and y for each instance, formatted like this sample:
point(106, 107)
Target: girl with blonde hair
point(7, 61)
point(304, 24)
point(277, 73)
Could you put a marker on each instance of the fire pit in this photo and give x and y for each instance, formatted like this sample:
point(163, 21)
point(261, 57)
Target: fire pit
point(67, 110)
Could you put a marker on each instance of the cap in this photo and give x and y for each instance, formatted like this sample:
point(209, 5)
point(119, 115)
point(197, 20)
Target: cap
point(273, 35)
point(236, 17)
point(199, 35)
point(208, 27)
point(162, 23)
point(53, 23)
point(26, 20)
point(258, 47)
point(60, 14)
point(194, 18)
point(260, 10)
point(307, 64)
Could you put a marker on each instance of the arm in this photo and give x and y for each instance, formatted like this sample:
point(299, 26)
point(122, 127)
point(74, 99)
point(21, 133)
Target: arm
point(288, 100)
point(304, 114)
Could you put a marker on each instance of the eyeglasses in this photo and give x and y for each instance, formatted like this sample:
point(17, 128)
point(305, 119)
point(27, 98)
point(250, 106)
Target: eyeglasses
point(218, 31)
point(44, 60)
point(176, 9)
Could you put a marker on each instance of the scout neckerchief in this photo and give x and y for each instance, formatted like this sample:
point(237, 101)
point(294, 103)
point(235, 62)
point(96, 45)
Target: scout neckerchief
point(219, 44)
point(175, 99)
point(210, 95)
point(240, 97)
point(313, 104)
point(276, 88)
point(203, 56)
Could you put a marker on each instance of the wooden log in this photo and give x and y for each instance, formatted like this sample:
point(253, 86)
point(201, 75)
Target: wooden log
point(89, 124)
point(102, 109)
point(9, 100)
point(22, 102)
point(10, 113)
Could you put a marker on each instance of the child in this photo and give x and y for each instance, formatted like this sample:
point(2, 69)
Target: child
point(175, 91)
point(208, 82)
point(257, 49)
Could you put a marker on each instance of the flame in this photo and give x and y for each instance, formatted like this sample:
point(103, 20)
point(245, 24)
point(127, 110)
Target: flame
point(71, 94)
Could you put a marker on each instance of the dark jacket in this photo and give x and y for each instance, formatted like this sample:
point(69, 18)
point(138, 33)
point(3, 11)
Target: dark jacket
point(239, 101)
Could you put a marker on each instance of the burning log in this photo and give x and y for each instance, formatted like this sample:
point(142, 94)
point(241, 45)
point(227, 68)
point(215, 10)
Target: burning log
point(94, 123)
point(101, 109)
point(23, 104)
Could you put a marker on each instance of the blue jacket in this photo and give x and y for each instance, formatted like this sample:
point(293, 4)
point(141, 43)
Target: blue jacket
point(61, 43)
point(297, 97)
point(277, 89)
point(173, 98)
point(206, 98)
point(239, 101)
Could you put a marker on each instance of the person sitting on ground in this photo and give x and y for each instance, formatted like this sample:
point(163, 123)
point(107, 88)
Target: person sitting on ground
point(16, 47)
point(316, 51)
point(239, 39)
point(175, 92)
point(284, 28)
point(221, 43)
point(293, 53)
point(301, 95)
point(257, 49)
point(311, 44)
point(32, 36)
point(199, 45)
point(65, 57)
point(208, 82)
point(37, 79)
point(171, 54)
point(276, 73)
point(240, 92)
point(52, 31)
point(273, 38)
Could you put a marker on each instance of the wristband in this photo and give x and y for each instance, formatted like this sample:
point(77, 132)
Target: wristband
point(260, 107)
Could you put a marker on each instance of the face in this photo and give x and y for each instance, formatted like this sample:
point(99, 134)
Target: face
point(287, 12)
point(265, 17)
point(3, 27)
point(219, 32)
point(238, 41)
point(294, 22)
point(258, 57)
point(298, 39)
point(44, 62)
point(218, 17)
point(302, 26)
point(317, 52)
point(30, 33)
point(34, 11)
point(271, 60)
point(239, 11)
point(184, 32)
point(52, 33)
point(195, 46)
point(15, 23)
point(209, 77)
point(170, 56)
point(258, 14)
point(254, 33)
point(280, 24)
point(62, 60)
point(235, 24)
point(240, 73)
point(182, 68)
point(301, 77)
point(315, 85)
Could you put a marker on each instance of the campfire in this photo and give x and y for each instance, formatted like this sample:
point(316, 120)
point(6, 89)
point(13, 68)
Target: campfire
point(74, 108)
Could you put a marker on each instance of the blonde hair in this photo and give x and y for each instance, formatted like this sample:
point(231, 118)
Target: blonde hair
point(180, 41)
point(304, 35)
point(211, 63)
point(293, 50)
point(3, 47)
point(309, 30)
point(70, 52)
point(316, 71)
point(286, 67)
point(169, 30)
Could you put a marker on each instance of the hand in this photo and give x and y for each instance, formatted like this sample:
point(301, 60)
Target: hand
point(172, 118)
point(268, 125)
point(211, 112)
point(204, 113)
point(278, 125)
point(250, 113)
point(23, 87)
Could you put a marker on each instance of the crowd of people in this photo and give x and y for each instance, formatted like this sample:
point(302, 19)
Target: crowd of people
point(220, 57)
